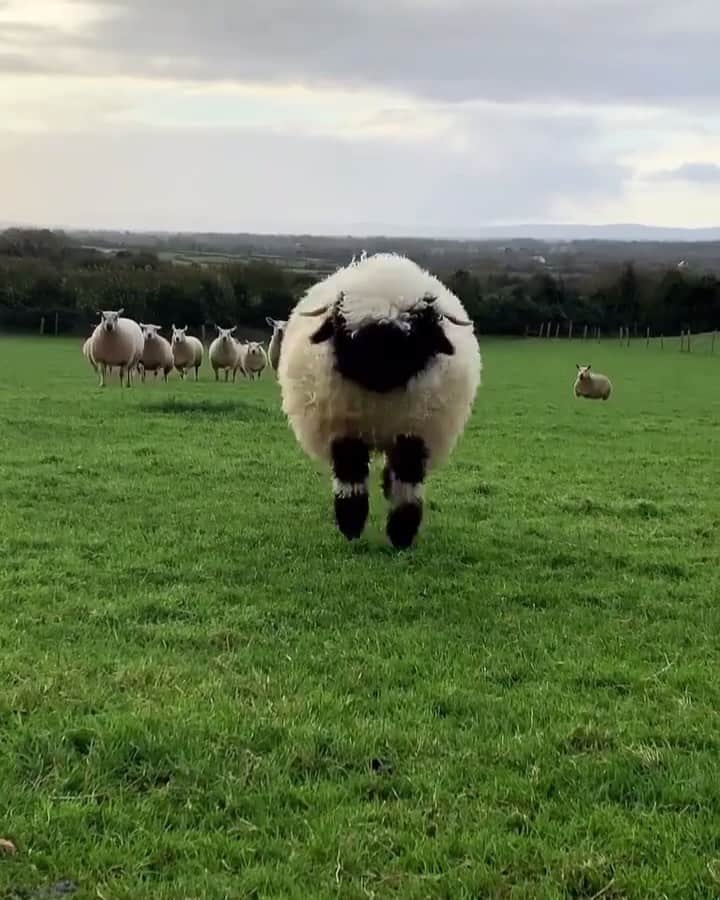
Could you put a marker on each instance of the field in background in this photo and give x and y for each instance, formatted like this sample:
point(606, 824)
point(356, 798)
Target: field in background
point(206, 692)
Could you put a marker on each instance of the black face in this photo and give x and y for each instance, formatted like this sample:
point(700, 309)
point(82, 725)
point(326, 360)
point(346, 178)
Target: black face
point(382, 356)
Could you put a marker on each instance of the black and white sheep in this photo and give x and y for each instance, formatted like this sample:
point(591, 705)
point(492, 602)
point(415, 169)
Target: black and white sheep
point(379, 357)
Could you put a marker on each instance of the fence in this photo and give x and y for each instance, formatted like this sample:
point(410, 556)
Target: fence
point(686, 342)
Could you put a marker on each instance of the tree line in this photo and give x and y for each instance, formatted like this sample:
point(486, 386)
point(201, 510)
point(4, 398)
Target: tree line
point(44, 274)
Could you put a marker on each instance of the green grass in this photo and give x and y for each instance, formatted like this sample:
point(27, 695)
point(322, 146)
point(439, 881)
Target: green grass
point(207, 693)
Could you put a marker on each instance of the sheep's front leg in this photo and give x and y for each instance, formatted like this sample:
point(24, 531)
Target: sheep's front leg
point(351, 465)
point(403, 479)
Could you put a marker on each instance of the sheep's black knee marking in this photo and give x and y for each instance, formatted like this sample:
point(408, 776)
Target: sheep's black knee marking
point(351, 464)
point(402, 483)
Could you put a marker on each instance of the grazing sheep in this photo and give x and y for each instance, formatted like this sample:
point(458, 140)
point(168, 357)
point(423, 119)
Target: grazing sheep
point(379, 357)
point(116, 341)
point(253, 359)
point(278, 327)
point(187, 351)
point(224, 352)
point(591, 385)
point(157, 352)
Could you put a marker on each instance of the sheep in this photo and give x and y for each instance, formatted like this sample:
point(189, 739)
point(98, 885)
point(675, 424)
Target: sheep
point(278, 332)
point(393, 367)
point(591, 385)
point(157, 353)
point(187, 351)
point(87, 353)
point(224, 352)
point(116, 341)
point(253, 359)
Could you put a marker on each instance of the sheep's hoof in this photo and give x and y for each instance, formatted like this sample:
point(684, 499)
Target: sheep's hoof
point(351, 515)
point(403, 524)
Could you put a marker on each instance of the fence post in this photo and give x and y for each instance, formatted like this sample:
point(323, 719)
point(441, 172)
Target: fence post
point(542, 329)
point(42, 324)
point(547, 330)
point(688, 340)
point(557, 330)
point(662, 341)
point(682, 340)
point(599, 333)
point(202, 330)
point(570, 330)
point(712, 344)
point(585, 333)
point(57, 323)
point(526, 330)
point(647, 339)
point(621, 335)
point(627, 334)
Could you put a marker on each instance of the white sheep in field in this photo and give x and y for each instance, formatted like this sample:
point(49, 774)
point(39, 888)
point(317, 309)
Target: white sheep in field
point(116, 341)
point(157, 353)
point(591, 385)
point(187, 351)
point(87, 353)
point(224, 352)
point(278, 332)
point(379, 357)
point(252, 359)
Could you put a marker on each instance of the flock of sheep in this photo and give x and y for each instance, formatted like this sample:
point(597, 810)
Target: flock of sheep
point(379, 357)
point(120, 342)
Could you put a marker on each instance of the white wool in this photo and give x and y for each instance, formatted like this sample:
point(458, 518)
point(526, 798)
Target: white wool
point(223, 352)
point(254, 358)
point(275, 345)
point(321, 405)
point(121, 347)
point(157, 352)
point(594, 386)
point(87, 352)
point(187, 352)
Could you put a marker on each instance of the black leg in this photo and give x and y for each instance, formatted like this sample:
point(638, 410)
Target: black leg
point(402, 483)
point(351, 464)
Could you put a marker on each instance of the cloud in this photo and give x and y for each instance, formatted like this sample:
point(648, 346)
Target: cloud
point(694, 172)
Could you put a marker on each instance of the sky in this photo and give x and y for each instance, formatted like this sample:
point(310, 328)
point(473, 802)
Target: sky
point(412, 116)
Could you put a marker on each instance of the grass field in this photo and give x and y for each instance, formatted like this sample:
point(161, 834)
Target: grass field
point(207, 693)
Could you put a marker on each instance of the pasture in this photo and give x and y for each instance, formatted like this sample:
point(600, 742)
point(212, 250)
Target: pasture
point(207, 692)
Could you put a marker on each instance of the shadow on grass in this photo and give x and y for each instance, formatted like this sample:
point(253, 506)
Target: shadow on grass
point(175, 407)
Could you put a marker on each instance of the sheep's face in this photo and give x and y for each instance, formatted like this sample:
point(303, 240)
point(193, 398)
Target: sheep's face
point(384, 354)
point(109, 319)
point(150, 332)
point(226, 334)
point(583, 373)
point(179, 335)
point(253, 350)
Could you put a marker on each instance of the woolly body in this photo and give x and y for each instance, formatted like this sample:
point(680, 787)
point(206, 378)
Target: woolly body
point(322, 405)
point(223, 352)
point(116, 341)
point(187, 351)
point(252, 359)
point(276, 340)
point(591, 385)
point(157, 353)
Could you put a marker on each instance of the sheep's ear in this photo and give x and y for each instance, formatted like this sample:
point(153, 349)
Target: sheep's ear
point(271, 322)
point(121, 311)
point(233, 329)
point(324, 332)
point(314, 313)
point(577, 366)
point(462, 322)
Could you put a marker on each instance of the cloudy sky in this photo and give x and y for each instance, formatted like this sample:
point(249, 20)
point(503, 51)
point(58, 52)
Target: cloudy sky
point(338, 115)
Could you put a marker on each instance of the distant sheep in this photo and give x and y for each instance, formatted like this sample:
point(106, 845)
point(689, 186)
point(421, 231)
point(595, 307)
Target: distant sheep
point(157, 352)
point(187, 351)
point(278, 326)
point(392, 367)
point(116, 341)
point(591, 385)
point(224, 352)
point(253, 359)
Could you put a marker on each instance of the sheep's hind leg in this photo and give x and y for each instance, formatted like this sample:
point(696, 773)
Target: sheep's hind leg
point(403, 478)
point(351, 466)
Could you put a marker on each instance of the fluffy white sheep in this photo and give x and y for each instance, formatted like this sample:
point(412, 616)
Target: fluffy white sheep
point(253, 359)
point(116, 341)
point(187, 351)
point(157, 353)
point(224, 352)
point(591, 385)
point(87, 353)
point(278, 333)
point(379, 357)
